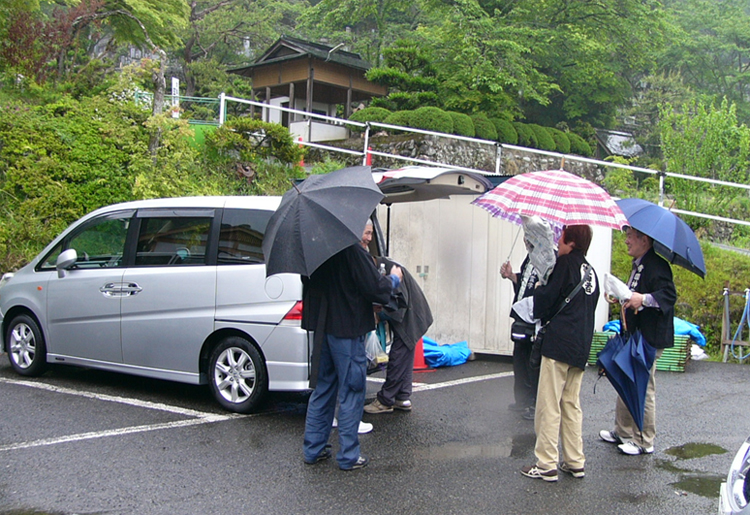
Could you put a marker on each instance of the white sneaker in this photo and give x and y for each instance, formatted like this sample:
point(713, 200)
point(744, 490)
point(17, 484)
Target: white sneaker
point(363, 429)
point(609, 436)
point(632, 449)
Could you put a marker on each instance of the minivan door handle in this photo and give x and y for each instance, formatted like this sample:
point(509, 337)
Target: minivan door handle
point(120, 289)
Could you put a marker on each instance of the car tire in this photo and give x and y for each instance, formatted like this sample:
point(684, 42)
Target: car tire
point(27, 351)
point(237, 375)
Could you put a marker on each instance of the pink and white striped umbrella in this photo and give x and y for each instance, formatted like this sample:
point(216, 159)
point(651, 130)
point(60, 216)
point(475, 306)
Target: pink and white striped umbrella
point(555, 195)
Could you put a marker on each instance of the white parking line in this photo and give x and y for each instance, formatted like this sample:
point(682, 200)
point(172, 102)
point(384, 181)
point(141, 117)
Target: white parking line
point(198, 417)
point(424, 387)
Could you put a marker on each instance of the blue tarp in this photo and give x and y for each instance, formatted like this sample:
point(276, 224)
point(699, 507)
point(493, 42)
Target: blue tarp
point(680, 327)
point(448, 355)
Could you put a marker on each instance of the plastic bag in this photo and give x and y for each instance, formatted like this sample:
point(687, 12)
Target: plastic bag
point(376, 356)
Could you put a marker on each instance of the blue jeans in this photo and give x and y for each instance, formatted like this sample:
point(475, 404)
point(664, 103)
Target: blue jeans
point(342, 374)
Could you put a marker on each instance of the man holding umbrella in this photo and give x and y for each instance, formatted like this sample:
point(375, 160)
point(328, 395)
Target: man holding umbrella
point(650, 309)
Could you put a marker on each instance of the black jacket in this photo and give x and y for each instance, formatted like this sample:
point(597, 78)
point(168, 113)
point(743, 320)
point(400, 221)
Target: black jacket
point(568, 336)
point(410, 323)
point(656, 324)
point(350, 283)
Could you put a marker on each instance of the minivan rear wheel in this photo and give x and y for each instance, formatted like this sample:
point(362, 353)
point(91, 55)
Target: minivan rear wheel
point(237, 374)
point(25, 346)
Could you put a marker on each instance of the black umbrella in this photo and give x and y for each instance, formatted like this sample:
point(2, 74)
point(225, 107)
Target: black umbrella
point(317, 218)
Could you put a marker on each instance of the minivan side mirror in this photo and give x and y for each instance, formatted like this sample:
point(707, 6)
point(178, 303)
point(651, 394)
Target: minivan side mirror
point(65, 261)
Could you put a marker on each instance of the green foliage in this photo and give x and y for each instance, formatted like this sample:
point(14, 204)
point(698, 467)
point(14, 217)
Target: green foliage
point(400, 118)
point(579, 146)
point(543, 137)
point(327, 166)
point(462, 124)
point(484, 128)
point(506, 133)
point(432, 119)
point(562, 142)
point(248, 140)
point(526, 135)
point(705, 141)
point(369, 114)
point(699, 301)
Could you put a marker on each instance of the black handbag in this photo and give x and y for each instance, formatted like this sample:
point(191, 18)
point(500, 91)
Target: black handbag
point(521, 330)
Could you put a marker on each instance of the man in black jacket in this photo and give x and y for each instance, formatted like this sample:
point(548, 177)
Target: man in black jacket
point(337, 304)
point(565, 350)
point(650, 309)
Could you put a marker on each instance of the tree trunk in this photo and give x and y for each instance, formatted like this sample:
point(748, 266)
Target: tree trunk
point(160, 85)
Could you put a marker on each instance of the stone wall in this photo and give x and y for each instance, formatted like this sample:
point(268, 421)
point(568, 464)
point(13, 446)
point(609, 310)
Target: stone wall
point(451, 152)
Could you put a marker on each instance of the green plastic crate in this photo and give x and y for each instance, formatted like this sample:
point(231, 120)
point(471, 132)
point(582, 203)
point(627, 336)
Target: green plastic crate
point(673, 359)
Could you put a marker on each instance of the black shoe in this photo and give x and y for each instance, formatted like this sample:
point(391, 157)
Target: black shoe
point(324, 455)
point(361, 463)
point(529, 413)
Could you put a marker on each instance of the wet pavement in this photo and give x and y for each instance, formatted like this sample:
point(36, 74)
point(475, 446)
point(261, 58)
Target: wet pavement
point(78, 441)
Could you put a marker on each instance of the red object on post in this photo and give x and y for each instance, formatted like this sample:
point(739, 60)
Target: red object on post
point(368, 160)
point(419, 362)
point(302, 159)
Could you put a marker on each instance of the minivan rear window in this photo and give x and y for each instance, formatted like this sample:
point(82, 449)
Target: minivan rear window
point(241, 236)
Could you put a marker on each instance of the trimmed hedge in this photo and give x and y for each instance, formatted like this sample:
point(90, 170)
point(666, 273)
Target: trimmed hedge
point(462, 124)
point(432, 119)
point(505, 131)
point(579, 146)
point(484, 128)
point(401, 118)
point(526, 136)
point(561, 140)
point(369, 114)
point(543, 138)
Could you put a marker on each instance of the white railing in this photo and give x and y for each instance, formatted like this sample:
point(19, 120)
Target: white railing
point(498, 154)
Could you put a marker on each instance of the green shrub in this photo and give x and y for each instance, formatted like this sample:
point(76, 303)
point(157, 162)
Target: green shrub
point(579, 146)
point(368, 114)
point(544, 139)
point(432, 119)
point(248, 140)
point(526, 136)
point(505, 131)
point(400, 118)
point(484, 128)
point(561, 140)
point(462, 124)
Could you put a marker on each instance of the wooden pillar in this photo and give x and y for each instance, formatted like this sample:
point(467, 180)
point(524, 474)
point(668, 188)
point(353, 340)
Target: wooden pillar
point(291, 102)
point(267, 114)
point(308, 108)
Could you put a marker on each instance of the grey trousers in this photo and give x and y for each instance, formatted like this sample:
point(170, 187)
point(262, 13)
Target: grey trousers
point(398, 373)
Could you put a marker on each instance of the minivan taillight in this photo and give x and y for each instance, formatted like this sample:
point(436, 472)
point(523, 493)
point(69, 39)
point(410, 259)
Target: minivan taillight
point(295, 313)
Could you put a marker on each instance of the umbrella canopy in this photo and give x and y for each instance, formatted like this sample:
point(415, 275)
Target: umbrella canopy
point(318, 218)
point(627, 364)
point(555, 195)
point(673, 238)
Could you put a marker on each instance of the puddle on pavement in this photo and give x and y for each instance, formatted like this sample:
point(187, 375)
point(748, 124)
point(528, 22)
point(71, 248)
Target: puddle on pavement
point(705, 485)
point(518, 446)
point(699, 483)
point(694, 450)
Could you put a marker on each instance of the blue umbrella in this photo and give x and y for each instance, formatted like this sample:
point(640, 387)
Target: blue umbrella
point(673, 238)
point(627, 364)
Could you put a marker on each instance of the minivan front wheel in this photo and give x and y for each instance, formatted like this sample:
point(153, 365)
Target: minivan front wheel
point(25, 346)
point(237, 375)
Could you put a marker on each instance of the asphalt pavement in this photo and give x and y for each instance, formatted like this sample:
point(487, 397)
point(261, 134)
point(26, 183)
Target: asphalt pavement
point(78, 441)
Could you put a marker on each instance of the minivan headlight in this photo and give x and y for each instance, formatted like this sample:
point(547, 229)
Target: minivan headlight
point(6, 277)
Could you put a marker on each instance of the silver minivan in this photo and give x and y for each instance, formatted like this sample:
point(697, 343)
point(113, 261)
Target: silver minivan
point(176, 289)
point(172, 289)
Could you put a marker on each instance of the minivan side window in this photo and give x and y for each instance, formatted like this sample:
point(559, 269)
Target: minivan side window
point(99, 244)
point(172, 241)
point(241, 236)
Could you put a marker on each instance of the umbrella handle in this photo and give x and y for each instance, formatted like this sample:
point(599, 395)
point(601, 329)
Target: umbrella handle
point(624, 322)
point(514, 243)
